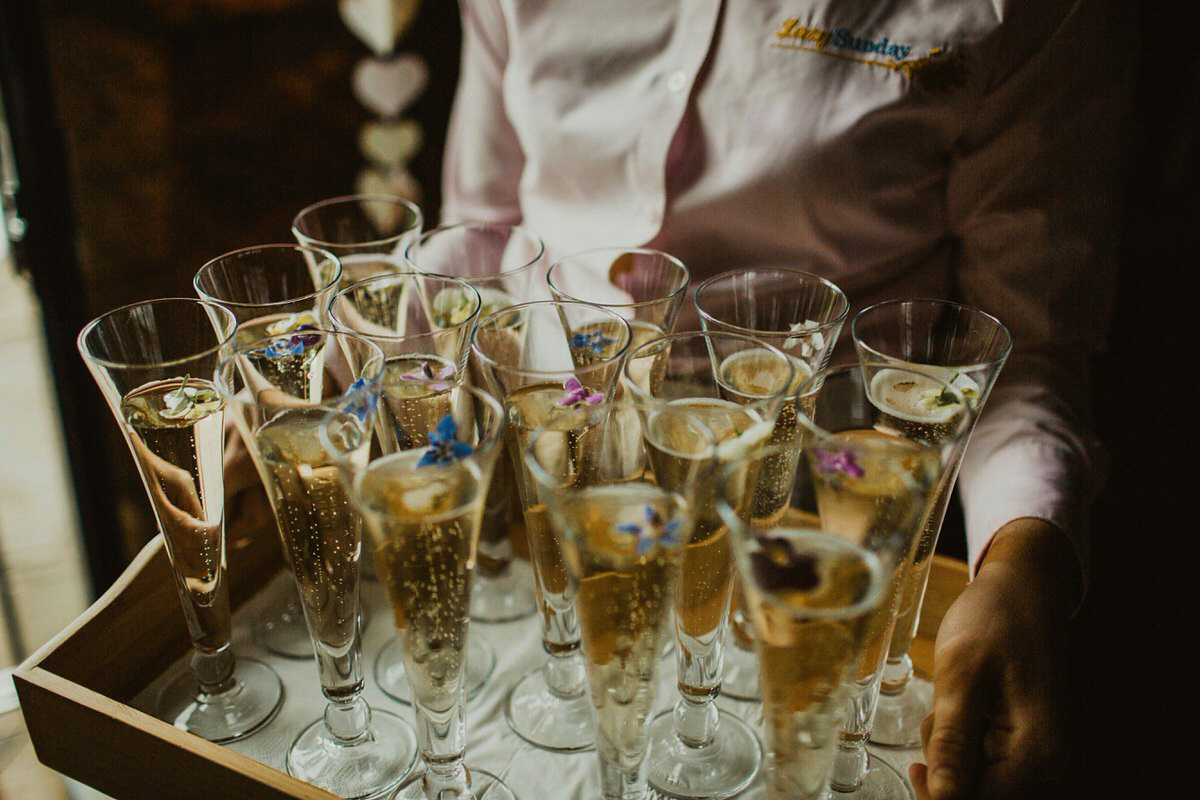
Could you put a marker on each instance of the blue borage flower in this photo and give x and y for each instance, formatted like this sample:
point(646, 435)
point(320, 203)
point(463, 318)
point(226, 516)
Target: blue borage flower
point(292, 345)
point(577, 393)
point(444, 446)
point(360, 402)
point(595, 341)
point(655, 531)
point(842, 461)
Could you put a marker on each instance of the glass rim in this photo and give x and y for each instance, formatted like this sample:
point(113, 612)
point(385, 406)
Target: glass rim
point(222, 342)
point(822, 327)
point(587, 368)
point(457, 226)
point(337, 276)
point(348, 198)
point(683, 287)
point(642, 397)
point(482, 395)
point(743, 530)
point(1000, 358)
point(408, 274)
point(817, 380)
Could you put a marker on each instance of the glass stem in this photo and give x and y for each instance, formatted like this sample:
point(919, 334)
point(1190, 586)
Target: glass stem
point(566, 673)
point(349, 720)
point(896, 675)
point(622, 784)
point(441, 736)
point(850, 763)
point(213, 669)
point(849, 767)
point(696, 720)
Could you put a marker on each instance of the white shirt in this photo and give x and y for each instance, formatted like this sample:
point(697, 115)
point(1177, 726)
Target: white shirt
point(962, 149)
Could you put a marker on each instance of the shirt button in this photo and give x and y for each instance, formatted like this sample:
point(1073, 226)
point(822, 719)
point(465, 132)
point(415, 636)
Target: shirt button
point(677, 81)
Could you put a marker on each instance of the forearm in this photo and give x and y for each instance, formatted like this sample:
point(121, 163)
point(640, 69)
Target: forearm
point(1036, 556)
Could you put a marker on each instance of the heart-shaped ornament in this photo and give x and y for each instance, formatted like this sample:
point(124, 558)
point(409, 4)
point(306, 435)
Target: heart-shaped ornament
point(396, 182)
point(388, 87)
point(378, 23)
point(390, 144)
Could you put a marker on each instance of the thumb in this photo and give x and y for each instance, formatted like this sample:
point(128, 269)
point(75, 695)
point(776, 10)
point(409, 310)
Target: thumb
point(953, 747)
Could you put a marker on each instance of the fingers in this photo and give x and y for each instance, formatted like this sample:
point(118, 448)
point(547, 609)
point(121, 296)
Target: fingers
point(918, 775)
point(953, 734)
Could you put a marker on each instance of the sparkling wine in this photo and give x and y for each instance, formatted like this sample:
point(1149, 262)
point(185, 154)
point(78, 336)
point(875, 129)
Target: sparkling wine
point(414, 395)
point(621, 543)
point(178, 442)
point(569, 448)
point(319, 528)
point(683, 461)
point(873, 488)
point(809, 595)
point(290, 358)
point(423, 523)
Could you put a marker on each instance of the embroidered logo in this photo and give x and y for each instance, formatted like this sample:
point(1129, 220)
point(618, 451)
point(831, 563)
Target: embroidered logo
point(935, 71)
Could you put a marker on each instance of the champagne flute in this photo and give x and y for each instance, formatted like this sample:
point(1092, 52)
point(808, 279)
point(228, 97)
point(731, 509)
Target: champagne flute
point(879, 438)
point(423, 508)
point(154, 364)
point(274, 290)
point(353, 750)
point(622, 539)
point(423, 325)
point(802, 314)
point(555, 366)
point(810, 595)
point(367, 232)
point(732, 386)
point(967, 347)
point(504, 263)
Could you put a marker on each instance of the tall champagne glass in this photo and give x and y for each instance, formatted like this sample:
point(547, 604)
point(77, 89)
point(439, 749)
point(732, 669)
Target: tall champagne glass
point(967, 347)
point(274, 290)
point(367, 232)
point(732, 386)
point(423, 507)
point(810, 595)
point(287, 392)
point(505, 264)
point(879, 438)
point(154, 363)
point(622, 539)
point(555, 366)
point(802, 314)
point(425, 348)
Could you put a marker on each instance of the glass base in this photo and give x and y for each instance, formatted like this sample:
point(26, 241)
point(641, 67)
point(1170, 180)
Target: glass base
point(721, 769)
point(881, 782)
point(368, 769)
point(389, 668)
point(739, 675)
point(898, 717)
point(484, 785)
point(281, 628)
point(505, 596)
point(547, 720)
point(235, 714)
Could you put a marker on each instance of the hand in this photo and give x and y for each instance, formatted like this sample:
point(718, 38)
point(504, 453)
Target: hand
point(997, 725)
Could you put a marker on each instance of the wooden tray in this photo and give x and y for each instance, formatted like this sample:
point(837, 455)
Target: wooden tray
point(76, 691)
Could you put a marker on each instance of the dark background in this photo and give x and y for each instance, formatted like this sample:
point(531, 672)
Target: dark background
point(153, 135)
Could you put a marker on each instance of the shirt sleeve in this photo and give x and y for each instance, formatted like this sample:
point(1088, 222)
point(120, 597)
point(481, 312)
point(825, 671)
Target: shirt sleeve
point(483, 158)
point(1033, 198)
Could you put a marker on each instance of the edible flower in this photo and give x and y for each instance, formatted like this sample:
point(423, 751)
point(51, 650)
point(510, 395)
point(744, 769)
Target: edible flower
point(304, 320)
point(190, 402)
point(360, 402)
point(595, 341)
point(292, 345)
point(444, 445)
point(426, 374)
point(777, 566)
point(578, 393)
point(664, 533)
point(842, 461)
point(809, 343)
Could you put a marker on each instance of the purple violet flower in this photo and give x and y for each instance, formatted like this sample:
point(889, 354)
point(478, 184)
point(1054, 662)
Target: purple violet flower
point(578, 393)
point(842, 461)
point(444, 446)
